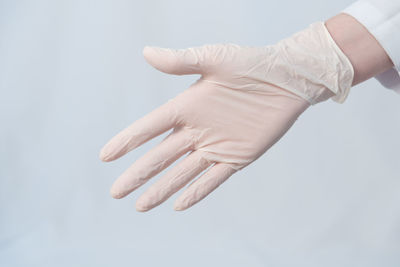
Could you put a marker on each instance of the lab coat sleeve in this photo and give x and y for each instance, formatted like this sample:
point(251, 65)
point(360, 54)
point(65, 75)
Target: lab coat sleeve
point(382, 19)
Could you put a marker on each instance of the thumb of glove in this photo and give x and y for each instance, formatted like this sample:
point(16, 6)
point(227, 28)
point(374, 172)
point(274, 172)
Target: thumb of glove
point(178, 62)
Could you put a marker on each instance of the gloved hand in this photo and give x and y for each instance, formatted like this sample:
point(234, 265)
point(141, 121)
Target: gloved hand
point(244, 101)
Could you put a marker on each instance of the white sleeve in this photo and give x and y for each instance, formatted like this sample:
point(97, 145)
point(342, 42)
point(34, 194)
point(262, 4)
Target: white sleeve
point(382, 19)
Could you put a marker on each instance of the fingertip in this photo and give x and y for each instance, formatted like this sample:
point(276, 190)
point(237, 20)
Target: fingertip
point(142, 204)
point(179, 206)
point(109, 152)
point(152, 53)
point(141, 208)
point(104, 156)
point(116, 193)
point(147, 50)
point(162, 59)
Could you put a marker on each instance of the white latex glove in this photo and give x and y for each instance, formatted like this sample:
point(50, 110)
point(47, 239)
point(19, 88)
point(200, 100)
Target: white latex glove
point(231, 115)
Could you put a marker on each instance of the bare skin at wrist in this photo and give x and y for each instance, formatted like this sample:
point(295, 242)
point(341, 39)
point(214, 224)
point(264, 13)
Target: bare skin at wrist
point(364, 52)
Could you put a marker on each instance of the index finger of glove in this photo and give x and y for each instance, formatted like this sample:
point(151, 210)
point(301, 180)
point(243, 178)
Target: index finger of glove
point(151, 125)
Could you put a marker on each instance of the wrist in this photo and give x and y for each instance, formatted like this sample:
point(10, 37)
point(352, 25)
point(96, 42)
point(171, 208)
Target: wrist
point(366, 55)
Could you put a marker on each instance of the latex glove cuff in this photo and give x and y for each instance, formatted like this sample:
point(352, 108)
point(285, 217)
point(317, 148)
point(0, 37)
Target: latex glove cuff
point(310, 62)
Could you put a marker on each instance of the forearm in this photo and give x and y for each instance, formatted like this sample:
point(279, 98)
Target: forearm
point(366, 55)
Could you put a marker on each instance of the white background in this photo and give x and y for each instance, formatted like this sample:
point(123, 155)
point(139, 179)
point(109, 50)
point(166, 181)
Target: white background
point(72, 75)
